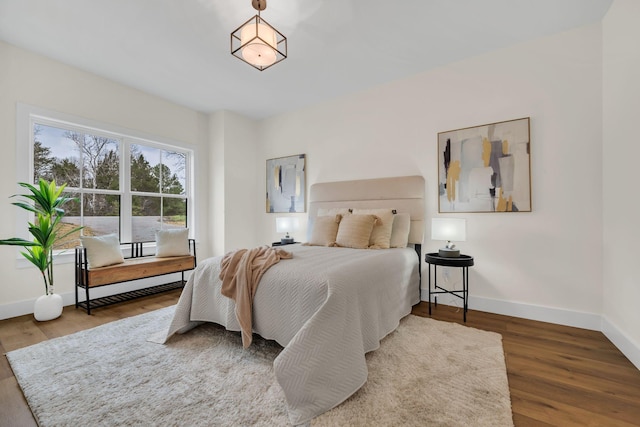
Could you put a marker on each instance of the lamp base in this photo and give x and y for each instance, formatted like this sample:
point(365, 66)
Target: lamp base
point(449, 253)
point(286, 240)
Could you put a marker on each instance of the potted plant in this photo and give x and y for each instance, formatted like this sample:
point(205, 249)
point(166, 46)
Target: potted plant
point(45, 202)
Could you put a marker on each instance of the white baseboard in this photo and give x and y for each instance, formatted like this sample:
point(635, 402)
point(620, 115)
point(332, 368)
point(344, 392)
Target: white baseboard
point(526, 311)
point(15, 309)
point(21, 308)
point(576, 319)
point(621, 340)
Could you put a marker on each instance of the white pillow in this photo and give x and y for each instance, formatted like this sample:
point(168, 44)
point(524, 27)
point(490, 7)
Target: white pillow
point(172, 242)
point(102, 250)
point(381, 234)
point(400, 230)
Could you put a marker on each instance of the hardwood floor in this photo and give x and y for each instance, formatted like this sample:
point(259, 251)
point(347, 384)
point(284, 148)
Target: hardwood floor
point(558, 376)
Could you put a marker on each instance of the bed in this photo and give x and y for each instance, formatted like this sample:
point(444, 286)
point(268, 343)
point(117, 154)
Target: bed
point(327, 306)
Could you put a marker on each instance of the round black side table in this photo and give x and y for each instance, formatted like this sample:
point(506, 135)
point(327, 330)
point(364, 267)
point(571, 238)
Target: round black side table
point(464, 262)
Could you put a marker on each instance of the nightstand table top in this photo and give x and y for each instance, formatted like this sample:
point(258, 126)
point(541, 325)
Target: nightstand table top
point(460, 261)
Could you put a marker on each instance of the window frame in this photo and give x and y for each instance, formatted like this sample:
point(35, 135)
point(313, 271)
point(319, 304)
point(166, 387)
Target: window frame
point(28, 115)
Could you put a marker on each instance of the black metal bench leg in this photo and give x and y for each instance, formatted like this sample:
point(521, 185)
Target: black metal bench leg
point(88, 300)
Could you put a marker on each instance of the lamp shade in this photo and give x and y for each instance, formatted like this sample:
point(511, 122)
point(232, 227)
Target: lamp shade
point(259, 43)
point(285, 224)
point(449, 229)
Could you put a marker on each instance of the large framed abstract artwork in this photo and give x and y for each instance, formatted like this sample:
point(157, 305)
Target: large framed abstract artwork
point(485, 168)
point(286, 184)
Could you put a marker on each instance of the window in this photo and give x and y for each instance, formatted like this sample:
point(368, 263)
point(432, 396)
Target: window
point(157, 190)
point(123, 183)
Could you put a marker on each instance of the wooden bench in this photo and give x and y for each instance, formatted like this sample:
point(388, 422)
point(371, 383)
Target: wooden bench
point(136, 266)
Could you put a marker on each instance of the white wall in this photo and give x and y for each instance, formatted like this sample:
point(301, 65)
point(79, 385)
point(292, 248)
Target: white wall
point(546, 264)
point(217, 182)
point(234, 182)
point(621, 154)
point(33, 79)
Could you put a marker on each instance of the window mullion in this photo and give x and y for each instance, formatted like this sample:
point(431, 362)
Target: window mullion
point(125, 187)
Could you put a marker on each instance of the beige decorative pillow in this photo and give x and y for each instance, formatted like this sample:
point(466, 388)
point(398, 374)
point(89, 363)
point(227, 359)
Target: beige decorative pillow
point(400, 230)
point(381, 234)
point(325, 229)
point(102, 250)
point(324, 212)
point(355, 231)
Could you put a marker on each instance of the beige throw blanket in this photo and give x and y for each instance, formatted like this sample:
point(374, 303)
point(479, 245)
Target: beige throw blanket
point(240, 273)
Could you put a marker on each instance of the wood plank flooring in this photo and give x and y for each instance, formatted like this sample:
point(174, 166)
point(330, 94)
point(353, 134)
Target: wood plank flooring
point(558, 376)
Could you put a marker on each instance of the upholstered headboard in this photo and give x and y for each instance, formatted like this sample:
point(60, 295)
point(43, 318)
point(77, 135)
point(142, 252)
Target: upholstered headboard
point(404, 194)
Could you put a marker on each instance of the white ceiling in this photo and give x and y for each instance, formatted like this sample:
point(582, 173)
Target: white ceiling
point(179, 49)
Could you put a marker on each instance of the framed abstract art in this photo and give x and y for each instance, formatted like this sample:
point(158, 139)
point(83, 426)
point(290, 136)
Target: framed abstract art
point(485, 168)
point(286, 184)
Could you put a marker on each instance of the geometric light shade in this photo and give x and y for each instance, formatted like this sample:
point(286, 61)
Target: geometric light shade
point(258, 44)
point(448, 229)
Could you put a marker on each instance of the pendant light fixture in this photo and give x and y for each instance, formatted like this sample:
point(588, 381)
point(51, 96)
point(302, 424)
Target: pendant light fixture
point(257, 43)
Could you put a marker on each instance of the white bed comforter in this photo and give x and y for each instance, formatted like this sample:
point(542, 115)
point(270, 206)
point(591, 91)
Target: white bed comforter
point(327, 307)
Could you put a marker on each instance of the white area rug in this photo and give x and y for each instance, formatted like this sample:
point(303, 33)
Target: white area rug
point(426, 373)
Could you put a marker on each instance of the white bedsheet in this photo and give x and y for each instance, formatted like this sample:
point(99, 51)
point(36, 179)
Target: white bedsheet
point(327, 307)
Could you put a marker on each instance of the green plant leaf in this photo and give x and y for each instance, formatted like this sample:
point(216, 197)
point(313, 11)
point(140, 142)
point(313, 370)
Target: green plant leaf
point(16, 241)
point(37, 256)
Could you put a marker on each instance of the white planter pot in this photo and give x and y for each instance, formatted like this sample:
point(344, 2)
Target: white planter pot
point(47, 307)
